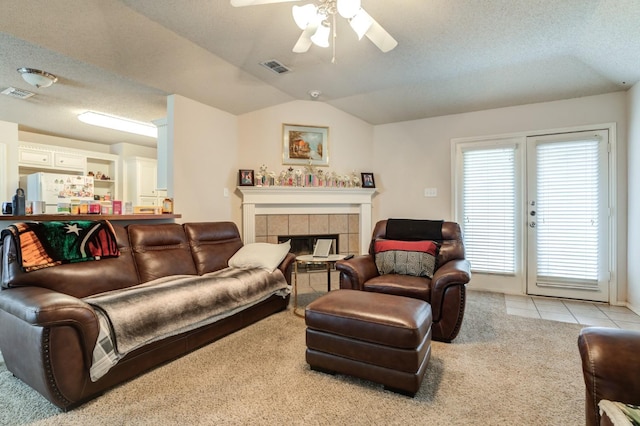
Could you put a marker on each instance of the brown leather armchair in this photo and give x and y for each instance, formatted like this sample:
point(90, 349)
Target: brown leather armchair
point(446, 292)
point(610, 359)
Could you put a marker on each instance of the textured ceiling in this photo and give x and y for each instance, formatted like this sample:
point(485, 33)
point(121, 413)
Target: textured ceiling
point(125, 57)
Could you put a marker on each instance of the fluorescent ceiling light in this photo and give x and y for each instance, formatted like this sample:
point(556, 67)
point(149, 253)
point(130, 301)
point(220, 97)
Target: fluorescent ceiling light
point(119, 123)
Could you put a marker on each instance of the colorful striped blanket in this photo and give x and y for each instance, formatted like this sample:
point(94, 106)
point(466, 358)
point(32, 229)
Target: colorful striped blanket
point(45, 244)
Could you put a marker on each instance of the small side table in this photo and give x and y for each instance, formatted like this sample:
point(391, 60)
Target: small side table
point(308, 258)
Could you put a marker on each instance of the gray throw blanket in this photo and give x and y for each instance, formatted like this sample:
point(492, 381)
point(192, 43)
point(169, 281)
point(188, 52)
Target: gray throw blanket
point(172, 305)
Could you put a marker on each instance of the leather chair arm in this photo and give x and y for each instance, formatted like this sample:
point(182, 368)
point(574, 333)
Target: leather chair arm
point(451, 273)
point(41, 307)
point(610, 367)
point(356, 271)
point(454, 272)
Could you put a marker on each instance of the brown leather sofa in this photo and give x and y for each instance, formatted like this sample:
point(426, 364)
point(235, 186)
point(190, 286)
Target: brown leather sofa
point(446, 292)
point(47, 333)
point(610, 365)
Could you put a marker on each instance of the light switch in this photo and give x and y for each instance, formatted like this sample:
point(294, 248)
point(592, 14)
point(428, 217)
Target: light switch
point(225, 192)
point(431, 192)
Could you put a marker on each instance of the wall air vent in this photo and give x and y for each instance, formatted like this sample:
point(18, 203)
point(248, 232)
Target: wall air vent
point(275, 66)
point(17, 93)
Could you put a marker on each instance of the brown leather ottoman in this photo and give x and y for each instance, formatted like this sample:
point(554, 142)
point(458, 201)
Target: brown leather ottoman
point(374, 336)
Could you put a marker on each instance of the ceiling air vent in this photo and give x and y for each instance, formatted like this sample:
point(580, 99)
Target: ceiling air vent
point(17, 93)
point(275, 66)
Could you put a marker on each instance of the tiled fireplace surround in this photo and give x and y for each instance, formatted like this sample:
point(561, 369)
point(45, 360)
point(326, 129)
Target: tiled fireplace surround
point(347, 226)
point(269, 212)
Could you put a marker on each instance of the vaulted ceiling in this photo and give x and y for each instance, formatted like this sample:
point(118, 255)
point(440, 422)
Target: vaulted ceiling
point(124, 57)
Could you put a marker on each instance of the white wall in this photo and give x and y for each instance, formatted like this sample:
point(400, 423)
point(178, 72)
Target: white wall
point(202, 141)
point(260, 139)
point(414, 155)
point(125, 150)
point(9, 167)
point(633, 272)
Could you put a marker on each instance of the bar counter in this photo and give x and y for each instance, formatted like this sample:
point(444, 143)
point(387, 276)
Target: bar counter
point(65, 217)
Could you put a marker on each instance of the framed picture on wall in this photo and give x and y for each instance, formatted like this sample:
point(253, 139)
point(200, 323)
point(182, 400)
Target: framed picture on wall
point(305, 145)
point(245, 177)
point(367, 180)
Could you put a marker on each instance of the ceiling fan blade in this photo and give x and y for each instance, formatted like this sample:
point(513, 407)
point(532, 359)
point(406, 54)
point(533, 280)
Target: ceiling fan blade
point(380, 37)
point(241, 3)
point(304, 42)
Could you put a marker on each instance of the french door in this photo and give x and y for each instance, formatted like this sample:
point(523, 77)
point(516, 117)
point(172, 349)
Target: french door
point(535, 213)
point(568, 215)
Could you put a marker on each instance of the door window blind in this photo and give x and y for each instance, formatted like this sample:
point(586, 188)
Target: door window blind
point(489, 185)
point(567, 218)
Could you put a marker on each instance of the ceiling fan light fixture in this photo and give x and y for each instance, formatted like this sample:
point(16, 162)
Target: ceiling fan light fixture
point(119, 123)
point(361, 22)
point(321, 36)
point(304, 15)
point(36, 77)
point(348, 8)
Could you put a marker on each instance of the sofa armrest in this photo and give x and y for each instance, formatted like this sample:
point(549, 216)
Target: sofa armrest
point(41, 307)
point(356, 271)
point(286, 265)
point(610, 367)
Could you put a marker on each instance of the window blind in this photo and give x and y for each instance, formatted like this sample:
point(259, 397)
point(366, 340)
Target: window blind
point(567, 212)
point(489, 185)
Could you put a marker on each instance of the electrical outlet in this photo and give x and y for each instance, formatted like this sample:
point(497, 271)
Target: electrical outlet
point(431, 192)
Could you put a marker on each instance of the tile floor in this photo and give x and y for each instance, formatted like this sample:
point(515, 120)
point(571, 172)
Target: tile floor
point(572, 311)
point(563, 310)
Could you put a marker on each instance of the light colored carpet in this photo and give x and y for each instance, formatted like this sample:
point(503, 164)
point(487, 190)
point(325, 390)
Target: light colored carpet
point(501, 370)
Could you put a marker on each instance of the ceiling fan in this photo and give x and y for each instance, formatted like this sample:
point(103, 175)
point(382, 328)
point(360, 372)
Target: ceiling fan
point(318, 21)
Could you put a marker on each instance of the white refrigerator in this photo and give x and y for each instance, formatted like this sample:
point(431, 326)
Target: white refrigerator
point(54, 188)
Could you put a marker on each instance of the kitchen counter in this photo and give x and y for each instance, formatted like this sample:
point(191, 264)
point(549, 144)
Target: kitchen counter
point(111, 217)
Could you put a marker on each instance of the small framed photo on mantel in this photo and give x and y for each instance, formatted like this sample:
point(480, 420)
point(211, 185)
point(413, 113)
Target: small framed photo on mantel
point(245, 177)
point(367, 180)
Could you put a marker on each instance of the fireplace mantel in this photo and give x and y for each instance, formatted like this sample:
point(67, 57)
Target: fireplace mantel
point(306, 200)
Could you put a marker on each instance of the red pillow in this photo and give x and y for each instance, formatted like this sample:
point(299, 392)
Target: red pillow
point(416, 258)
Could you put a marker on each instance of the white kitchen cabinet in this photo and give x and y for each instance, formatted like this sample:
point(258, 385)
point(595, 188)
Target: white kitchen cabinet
point(34, 157)
point(148, 201)
point(142, 181)
point(69, 161)
point(50, 159)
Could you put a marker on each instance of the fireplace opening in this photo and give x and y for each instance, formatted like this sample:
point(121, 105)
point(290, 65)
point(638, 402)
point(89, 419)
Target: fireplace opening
point(305, 244)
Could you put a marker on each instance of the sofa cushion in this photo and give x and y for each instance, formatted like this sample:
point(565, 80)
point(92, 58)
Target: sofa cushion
point(161, 250)
point(400, 285)
point(416, 258)
point(212, 244)
point(260, 255)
